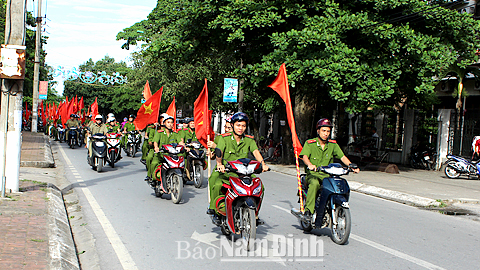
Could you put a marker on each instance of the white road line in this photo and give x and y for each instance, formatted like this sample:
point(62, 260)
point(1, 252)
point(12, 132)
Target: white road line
point(117, 244)
point(386, 249)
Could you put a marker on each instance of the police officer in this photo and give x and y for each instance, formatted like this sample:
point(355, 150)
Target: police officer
point(94, 128)
point(129, 126)
point(233, 146)
point(71, 123)
point(188, 133)
point(162, 137)
point(151, 135)
point(319, 152)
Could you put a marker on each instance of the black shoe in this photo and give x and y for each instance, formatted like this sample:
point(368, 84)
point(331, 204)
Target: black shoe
point(210, 211)
point(216, 220)
point(260, 222)
point(307, 216)
point(148, 178)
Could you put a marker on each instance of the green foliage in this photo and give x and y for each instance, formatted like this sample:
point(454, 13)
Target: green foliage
point(362, 53)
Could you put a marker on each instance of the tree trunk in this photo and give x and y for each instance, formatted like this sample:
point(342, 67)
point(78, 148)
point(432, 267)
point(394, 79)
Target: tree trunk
point(304, 111)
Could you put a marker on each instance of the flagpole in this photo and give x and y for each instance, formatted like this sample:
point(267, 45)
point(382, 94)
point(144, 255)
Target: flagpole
point(208, 167)
point(299, 181)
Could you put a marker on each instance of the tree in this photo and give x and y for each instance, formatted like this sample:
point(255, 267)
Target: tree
point(360, 53)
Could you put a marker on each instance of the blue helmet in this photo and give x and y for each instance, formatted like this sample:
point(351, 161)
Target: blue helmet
point(239, 117)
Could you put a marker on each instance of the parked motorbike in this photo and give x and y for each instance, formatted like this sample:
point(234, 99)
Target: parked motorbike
point(168, 177)
point(72, 137)
point(99, 152)
point(241, 201)
point(113, 148)
point(422, 159)
point(60, 132)
point(195, 164)
point(134, 140)
point(456, 166)
point(331, 206)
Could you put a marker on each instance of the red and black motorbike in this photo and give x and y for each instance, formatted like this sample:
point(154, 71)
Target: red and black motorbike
point(113, 148)
point(168, 177)
point(242, 200)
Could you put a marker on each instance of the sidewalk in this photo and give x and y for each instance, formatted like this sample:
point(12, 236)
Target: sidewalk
point(34, 228)
point(414, 187)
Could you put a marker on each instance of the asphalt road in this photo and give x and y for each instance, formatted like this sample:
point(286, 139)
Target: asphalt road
point(135, 230)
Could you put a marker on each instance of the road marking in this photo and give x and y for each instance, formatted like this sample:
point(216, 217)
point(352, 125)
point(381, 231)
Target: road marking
point(396, 253)
point(386, 249)
point(117, 244)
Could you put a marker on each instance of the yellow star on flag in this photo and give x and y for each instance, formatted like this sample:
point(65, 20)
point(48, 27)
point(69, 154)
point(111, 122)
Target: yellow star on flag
point(148, 109)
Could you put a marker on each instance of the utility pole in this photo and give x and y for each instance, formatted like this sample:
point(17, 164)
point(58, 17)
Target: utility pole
point(12, 94)
point(241, 92)
point(36, 67)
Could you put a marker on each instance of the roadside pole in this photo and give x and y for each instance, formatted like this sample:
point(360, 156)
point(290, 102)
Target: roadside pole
point(12, 95)
point(36, 67)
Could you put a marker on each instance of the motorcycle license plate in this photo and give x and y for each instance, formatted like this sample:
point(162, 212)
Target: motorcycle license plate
point(427, 158)
point(99, 144)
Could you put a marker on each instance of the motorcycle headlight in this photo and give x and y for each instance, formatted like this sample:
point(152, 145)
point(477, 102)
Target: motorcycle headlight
point(99, 144)
point(257, 190)
point(239, 189)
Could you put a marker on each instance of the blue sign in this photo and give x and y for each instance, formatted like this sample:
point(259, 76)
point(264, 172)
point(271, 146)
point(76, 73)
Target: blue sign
point(230, 90)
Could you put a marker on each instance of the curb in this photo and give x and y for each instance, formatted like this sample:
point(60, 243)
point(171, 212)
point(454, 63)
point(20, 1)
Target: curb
point(62, 253)
point(48, 161)
point(374, 191)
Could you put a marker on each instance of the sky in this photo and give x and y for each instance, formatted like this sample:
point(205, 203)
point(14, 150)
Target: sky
point(78, 30)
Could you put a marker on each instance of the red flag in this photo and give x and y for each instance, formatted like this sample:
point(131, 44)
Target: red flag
point(44, 118)
point(80, 105)
point(146, 91)
point(201, 116)
point(280, 85)
point(63, 112)
point(94, 109)
point(75, 105)
point(148, 112)
point(172, 111)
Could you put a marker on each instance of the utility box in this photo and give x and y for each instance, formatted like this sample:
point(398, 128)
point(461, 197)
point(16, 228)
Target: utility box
point(12, 62)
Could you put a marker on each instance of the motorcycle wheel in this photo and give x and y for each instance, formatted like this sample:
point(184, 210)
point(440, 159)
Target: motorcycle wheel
point(450, 172)
point(176, 188)
point(197, 175)
point(341, 231)
point(133, 150)
point(60, 138)
point(100, 164)
point(249, 232)
point(111, 160)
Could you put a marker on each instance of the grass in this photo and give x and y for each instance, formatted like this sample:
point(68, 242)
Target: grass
point(71, 217)
point(442, 203)
point(83, 224)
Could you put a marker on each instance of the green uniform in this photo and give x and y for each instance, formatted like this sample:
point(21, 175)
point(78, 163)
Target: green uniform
point(318, 157)
point(187, 134)
point(161, 138)
point(129, 126)
point(114, 128)
point(145, 146)
point(231, 150)
point(69, 124)
point(94, 129)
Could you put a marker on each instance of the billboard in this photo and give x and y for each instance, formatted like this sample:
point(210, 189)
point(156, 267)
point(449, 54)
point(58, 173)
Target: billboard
point(230, 90)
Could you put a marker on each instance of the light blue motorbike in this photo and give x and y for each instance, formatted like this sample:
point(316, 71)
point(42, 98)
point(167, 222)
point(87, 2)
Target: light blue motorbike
point(331, 206)
point(456, 166)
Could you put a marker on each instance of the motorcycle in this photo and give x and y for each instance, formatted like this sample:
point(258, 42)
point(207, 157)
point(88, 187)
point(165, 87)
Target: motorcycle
point(72, 137)
point(241, 203)
point(113, 148)
point(134, 140)
point(168, 177)
point(331, 205)
point(60, 133)
point(99, 152)
point(456, 166)
point(81, 137)
point(195, 164)
point(422, 159)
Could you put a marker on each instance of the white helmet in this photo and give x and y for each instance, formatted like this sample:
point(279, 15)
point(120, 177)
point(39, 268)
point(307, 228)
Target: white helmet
point(166, 117)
